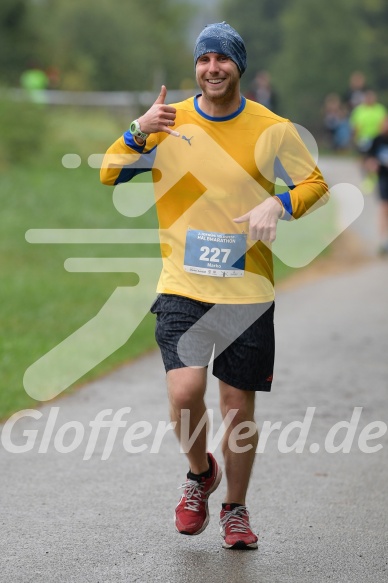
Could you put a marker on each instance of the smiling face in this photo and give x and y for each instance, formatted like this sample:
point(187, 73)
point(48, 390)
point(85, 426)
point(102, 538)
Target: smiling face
point(219, 79)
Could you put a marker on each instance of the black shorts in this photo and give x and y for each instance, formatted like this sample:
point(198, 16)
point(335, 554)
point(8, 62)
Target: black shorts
point(241, 336)
point(383, 187)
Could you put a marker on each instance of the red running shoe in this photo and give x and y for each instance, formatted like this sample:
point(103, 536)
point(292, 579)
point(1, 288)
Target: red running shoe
point(192, 513)
point(235, 528)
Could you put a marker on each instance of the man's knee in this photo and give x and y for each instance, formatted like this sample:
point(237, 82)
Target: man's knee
point(240, 403)
point(186, 387)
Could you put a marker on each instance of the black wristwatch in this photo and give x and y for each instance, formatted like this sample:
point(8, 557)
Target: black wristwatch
point(135, 130)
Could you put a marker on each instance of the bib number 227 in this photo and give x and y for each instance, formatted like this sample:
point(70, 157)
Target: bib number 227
point(214, 254)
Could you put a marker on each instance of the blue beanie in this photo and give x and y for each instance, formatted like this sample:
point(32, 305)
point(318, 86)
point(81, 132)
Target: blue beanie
point(223, 39)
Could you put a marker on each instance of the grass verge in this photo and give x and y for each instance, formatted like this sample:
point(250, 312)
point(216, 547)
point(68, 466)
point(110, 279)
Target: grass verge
point(40, 302)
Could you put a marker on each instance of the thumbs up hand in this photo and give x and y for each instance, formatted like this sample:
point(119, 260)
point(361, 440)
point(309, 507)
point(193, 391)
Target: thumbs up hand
point(160, 117)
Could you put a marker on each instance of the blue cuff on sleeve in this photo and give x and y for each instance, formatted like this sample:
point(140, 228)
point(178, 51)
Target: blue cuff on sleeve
point(286, 202)
point(144, 164)
point(130, 141)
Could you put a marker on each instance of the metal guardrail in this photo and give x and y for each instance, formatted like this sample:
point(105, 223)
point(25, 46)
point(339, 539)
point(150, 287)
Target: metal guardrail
point(97, 98)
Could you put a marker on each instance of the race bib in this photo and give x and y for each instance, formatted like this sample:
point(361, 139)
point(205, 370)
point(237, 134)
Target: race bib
point(215, 254)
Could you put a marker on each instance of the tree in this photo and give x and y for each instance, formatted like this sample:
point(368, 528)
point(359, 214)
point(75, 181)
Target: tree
point(258, 24)
point(321, 46)
point(374, 14)
point(311, 47)
point(115, 45)
point(17, 35)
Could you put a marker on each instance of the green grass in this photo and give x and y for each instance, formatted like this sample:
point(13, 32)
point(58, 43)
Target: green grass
point(40, 302)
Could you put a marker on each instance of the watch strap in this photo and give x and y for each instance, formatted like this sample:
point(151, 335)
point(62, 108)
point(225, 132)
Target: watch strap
point(135, 130)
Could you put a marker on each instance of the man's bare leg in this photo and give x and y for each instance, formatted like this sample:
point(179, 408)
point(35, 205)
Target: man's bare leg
point(186, 390)
point(238, 465)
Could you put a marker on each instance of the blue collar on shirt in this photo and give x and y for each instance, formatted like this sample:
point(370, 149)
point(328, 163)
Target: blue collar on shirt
point(226, 117)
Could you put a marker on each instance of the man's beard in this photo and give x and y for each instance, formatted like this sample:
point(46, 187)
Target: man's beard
point(225, 96)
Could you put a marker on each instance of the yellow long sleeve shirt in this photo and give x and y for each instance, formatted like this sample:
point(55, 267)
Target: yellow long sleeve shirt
point(216, 170)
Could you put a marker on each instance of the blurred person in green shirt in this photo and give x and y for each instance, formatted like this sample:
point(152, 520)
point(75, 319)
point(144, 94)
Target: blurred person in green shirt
point(34, 81)
point(366, 120)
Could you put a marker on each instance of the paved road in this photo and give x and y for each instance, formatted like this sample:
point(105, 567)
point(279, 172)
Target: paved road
point(321, 515)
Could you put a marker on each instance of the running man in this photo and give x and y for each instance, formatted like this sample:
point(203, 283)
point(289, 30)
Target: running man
point(214, 159)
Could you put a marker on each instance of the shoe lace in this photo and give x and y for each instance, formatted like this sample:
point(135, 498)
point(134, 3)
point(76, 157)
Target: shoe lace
point(193, 494)
point(237, 519)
